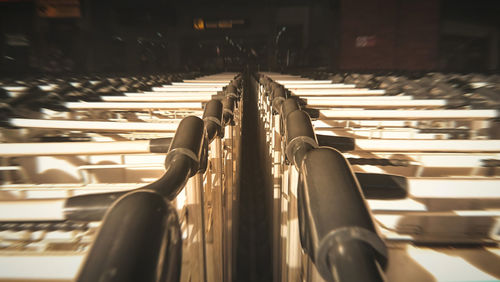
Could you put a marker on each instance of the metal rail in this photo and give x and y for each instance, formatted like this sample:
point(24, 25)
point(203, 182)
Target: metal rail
point(426, 181)
point(140, 236)
point(343, 246)
point(133, 261)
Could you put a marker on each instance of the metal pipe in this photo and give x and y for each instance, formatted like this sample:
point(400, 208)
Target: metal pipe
point(377, 103)
point(223, 81)
point(73, 148)
point(92, 125)
point(339, 92)
point(402, 145)
point(130, 106)
point(304, 81)
point(89, 207)
point(228, 108)
point(152, 98)
point(408, 114)
point(300, 85)
point(343, 246)
point(32, 210)
point(158, 145)
point(300, 136)
point(92, 207)
point(192, 85)
point(182, 162)
point(186, 89)
point(327, 189)
point(188, 141)
point(195, 83)
point(358, 98)
point(140, 240)
point(178, 170)
point(212, 116)
point(140, 252)
point(288, 106)
point(231, 89)
point(188, 95)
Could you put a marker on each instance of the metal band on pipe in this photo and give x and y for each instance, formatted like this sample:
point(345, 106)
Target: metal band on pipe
point(213, 119)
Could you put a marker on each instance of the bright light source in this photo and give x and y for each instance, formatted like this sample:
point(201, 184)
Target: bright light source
point(198, 24)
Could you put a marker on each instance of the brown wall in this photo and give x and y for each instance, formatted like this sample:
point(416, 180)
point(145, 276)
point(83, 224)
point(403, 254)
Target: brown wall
point(406, 34)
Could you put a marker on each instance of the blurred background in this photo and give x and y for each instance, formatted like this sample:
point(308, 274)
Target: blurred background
point(92, 36)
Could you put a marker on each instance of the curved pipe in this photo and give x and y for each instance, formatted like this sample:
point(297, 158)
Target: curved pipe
point(336, 228)
point(182, 162)
point(339, 221)
point(92, 207)
point(179, 169)
point(187, 155)
point(140, 240)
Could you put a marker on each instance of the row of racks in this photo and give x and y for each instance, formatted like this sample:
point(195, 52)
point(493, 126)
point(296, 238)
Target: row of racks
point(371, 186)
point(101, 183)
point(107, 180)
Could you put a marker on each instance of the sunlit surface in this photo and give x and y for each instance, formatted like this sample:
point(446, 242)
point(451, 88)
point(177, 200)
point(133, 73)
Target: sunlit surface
point(447, 267)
